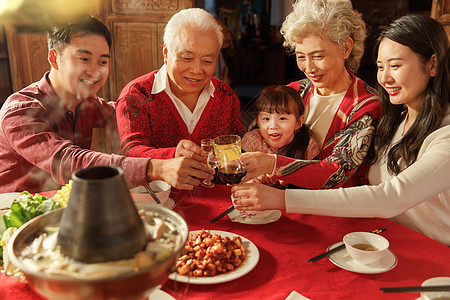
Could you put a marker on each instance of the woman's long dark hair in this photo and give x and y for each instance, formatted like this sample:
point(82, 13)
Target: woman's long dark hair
point(425, 37)
point(283, 99)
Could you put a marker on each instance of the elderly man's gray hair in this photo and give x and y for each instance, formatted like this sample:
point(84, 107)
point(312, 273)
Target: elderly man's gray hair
point(193, 19)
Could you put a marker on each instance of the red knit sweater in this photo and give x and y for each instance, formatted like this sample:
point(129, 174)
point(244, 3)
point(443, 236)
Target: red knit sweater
point(150, 125)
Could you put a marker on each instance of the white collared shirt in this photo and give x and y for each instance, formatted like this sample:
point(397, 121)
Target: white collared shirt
point(191, 119)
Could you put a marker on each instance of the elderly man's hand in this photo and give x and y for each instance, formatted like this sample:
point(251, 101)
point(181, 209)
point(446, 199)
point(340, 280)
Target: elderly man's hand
point(258, 164)
point(181, 173)
point(189, 149)
point(256, 196)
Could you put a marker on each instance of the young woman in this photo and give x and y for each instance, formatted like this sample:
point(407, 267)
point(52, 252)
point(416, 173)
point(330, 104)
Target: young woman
point(410, 179)
point(280, 122)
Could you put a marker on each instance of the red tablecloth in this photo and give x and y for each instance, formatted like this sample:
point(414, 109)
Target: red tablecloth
point(285, 246)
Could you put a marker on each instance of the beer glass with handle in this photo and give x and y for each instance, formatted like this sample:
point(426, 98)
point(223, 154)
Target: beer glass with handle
point(231, 169)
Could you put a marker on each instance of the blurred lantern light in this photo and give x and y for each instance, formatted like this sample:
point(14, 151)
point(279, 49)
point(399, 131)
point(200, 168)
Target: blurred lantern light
point(9, 5)
point(40, 15)
point(70, 8)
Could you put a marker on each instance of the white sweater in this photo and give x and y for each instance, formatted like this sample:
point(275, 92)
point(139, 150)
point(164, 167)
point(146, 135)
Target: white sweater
point(418, 197)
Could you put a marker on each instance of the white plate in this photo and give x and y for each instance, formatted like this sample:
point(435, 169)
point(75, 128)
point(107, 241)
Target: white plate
point(260, 217)
point(343, 260)
point(6, 199)
point(158, 294)
point(169, 203)
point(249, 263)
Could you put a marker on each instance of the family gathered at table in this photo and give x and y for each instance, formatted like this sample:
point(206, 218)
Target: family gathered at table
point(334, 154)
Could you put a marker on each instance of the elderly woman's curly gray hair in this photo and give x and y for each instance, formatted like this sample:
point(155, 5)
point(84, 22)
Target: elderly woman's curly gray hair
point(190, 19)
point(331, 19)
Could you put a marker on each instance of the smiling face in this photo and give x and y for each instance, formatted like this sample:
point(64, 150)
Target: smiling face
point(190, 66)
point(81, 69)
point(278, 129)
point(403, 74)
point(323, 62)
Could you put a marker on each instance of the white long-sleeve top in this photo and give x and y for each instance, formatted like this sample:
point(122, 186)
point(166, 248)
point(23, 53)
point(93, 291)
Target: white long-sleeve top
point(418, 197)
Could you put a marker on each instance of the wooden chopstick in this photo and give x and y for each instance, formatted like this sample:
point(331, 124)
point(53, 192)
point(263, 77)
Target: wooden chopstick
point(150, 191)
point(430, 288)
point(223, 214)
point(327, 253)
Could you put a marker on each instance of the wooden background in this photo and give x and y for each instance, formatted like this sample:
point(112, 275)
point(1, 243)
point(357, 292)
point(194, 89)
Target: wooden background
point(137, 29)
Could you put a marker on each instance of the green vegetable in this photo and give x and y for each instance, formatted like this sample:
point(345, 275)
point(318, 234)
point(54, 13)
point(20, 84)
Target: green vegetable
point(23, 209)
point(3, 226)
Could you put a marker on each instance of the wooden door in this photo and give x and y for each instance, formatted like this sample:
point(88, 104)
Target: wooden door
point(440, 10)
point(137, 30)
point(27, 57)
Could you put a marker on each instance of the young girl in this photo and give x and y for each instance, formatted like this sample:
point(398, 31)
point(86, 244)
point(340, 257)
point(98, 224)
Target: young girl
point(280, 125)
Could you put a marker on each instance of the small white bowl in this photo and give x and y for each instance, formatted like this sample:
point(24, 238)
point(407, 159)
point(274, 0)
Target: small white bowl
point(161, 188)
point(365, 257)
point(436, 295)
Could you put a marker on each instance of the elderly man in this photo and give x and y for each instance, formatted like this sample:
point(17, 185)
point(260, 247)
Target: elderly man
point(46, 128)
point(167, 112)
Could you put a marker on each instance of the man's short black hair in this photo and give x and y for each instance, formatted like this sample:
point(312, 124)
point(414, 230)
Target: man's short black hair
point(60, 36)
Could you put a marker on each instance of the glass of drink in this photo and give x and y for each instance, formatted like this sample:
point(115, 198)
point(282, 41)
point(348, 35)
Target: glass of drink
point(231, 168)
point(207, 146)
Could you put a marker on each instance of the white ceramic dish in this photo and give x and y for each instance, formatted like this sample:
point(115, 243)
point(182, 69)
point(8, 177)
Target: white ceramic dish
point(140, 194)
point(158, 294)
point(436, 295)
point(249, 263)
point(160, 188)
point(379, 247)
point(170, 203)
point(260, 217)
point(343, 260)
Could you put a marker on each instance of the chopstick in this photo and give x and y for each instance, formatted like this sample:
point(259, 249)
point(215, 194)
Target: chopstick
point(150, 191)
point(226, 212)
point(340, 247)
point(430, 288)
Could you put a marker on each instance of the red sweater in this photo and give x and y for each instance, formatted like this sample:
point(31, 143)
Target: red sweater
point(150, 125)
point(42, 143)
point(346, 143)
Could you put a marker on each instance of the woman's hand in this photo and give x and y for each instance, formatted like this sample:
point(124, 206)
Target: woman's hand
point(272, 182)
point(255, 196)
point(257, 164)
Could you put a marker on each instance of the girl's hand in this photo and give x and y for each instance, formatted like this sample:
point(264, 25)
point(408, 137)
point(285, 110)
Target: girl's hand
point(255, 196)
point(258, 164)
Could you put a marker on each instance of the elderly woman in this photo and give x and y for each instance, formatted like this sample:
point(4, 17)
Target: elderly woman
point(341, 110)
point(410, 179)
point(167, 112)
